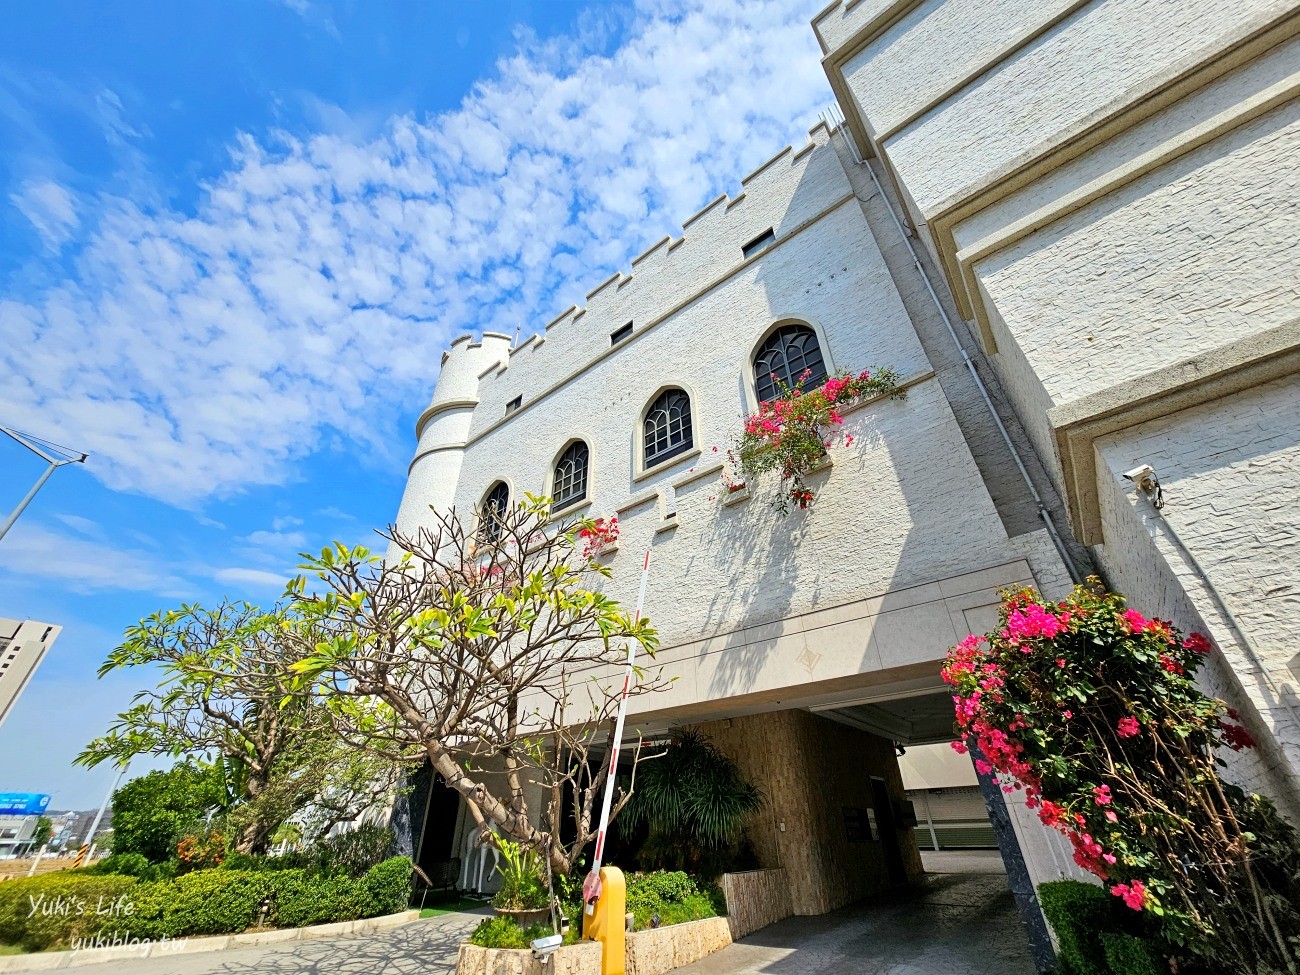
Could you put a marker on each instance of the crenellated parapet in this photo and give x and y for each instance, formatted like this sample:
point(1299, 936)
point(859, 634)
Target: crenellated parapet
point(783, 195)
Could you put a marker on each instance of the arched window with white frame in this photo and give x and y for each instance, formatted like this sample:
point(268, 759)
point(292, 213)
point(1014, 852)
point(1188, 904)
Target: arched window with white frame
point(666, 430)
point(784, 357)
point(570, 482)
point(492, 511)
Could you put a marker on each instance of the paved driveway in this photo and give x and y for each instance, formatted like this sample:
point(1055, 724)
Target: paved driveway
point(426, 947)
point(954, 924)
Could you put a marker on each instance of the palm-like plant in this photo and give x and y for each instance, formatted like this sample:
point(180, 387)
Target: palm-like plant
point(693, 798)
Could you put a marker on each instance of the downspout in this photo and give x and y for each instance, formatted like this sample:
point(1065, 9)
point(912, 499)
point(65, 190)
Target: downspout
point(1043, 513)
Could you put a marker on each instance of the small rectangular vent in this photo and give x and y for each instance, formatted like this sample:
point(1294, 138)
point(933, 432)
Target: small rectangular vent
point(761, 242)
point(514, 404)
point(619, 335)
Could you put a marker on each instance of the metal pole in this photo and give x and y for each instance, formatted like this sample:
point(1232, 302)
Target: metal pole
point(54, 462)
point(107, 799)
point(591, 886)
point(13, 515)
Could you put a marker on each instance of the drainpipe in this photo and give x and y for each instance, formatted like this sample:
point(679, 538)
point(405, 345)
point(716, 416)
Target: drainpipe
point(1043, 513)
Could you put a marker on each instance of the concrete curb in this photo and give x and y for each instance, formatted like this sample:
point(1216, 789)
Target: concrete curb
point(50, 960)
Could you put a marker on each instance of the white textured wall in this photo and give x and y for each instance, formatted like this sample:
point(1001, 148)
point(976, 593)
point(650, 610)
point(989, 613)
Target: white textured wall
point(1230, 471)
point(1202, 251)
point(933, 48)
point(1098, 59)
point(784, 195)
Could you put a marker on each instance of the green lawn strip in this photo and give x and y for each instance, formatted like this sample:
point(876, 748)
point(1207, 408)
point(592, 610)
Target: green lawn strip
point(10, 950)
point(456, 906)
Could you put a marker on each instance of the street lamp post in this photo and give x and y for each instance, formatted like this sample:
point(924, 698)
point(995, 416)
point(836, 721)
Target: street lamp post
point(36, 445)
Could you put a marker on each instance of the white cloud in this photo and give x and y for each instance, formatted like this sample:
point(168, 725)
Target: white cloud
point(254, 578)
point(286, 521)
point(333, 512)
point(275, 539)
point(85, 566)
point(311, 292)
point(50, 208)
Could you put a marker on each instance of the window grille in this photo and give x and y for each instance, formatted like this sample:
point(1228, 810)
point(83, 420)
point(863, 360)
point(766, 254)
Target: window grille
point(788, 353)
point(570, 476)
point(668, 427)
point(493, 511)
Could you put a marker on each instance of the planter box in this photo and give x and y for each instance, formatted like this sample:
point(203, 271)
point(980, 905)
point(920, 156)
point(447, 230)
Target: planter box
point(755, 899)
point(579, 959)
point(663, 949)
point(648, 953)
point(740, 494)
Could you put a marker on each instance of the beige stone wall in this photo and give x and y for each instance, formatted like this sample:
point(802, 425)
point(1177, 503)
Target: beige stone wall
point(809, 769)
point(755, 899)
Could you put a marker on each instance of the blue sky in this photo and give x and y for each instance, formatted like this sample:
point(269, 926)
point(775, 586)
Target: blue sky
point(236, 236)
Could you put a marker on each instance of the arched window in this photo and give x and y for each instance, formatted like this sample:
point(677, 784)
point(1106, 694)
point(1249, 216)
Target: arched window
point(788, 353)
point(570, 485)
point(493, 511)
point(667, 427)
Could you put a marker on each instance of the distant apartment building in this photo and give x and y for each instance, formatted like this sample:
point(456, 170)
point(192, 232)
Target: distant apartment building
point(23, 645)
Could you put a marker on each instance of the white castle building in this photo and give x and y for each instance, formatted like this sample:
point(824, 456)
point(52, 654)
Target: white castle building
point(1073, 228)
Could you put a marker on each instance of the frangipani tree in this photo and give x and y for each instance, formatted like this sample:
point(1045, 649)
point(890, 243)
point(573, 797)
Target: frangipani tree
point(488, 649)
point(225, 692)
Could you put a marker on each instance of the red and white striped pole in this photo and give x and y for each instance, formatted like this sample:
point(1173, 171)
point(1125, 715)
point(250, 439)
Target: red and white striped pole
point(591, 886)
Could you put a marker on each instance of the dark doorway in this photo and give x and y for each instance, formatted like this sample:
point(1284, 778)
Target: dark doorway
point(439, 834)
point(886, 826)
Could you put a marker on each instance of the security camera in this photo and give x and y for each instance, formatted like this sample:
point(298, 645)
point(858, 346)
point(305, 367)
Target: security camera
point(1139, 474)
point(1148, 483)
point(543, 948)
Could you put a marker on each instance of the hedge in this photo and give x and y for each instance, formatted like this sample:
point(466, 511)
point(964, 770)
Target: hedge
point(1090, 935)
point(214, 901)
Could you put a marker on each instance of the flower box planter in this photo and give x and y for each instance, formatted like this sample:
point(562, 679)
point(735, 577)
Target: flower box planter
point(825, 464)
point(736, 493)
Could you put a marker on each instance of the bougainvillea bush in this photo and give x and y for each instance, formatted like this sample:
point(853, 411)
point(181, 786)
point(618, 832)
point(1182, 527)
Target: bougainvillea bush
point(792, 432)
point(1091, 711)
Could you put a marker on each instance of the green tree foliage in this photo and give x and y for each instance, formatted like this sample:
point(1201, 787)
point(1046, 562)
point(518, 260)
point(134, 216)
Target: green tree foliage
point(153, 812)
point(694, 801)
point(226, 691)
point(469, 647)
point(44, 830)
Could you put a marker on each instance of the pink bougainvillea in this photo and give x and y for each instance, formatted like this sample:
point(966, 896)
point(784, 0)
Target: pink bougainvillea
point(792, 432)
point(1091, 711)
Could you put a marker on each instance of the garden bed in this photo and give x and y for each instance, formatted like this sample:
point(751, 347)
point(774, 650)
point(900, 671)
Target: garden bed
point(651, 952)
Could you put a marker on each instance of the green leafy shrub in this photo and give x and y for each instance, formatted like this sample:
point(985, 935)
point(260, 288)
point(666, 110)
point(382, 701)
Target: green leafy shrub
point(1128, 954)
point(695, 802)
point(1077, 911)
point(389, 886)
point(218, 901)
point(504, 932)
point(673, 895)
point(124, 865)
point(522, 885)
point(356, 851)
point(40, 913)
point(302, 898)
point(1095, 933)
point(201, 902)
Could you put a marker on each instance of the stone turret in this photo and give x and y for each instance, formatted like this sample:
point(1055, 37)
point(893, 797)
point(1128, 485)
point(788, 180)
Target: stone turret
point(443, 427)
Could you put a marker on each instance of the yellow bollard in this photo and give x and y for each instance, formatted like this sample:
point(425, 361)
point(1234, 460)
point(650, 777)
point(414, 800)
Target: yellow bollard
point(605, 922)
